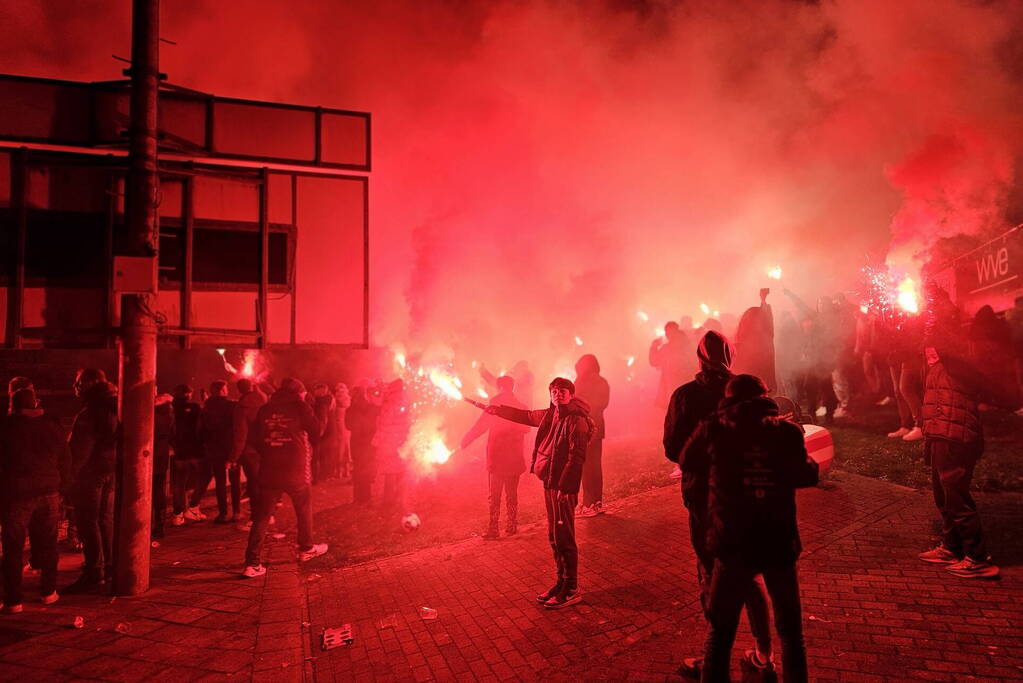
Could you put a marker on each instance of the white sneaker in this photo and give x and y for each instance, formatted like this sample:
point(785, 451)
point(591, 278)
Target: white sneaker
point(12, 609)
point(254, 571)
point(317, 550)
point(51, 598)
point(898, 433)
point(178, 520)
point(676, 473)
point(194, 514)
point(914, 434)
point(884, 401)
point(821, 412)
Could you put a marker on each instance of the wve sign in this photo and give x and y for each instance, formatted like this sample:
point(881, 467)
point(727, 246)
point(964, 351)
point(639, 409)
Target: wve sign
point(995, 265)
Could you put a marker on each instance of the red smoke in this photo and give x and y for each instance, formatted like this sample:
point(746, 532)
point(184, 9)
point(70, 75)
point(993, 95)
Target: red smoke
point(543, 169)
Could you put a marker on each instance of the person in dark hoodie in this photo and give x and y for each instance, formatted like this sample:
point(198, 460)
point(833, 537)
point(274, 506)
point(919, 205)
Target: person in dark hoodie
point(216, 432)
point(754, 462)
point(505, 461)
point(34, 470)
point(284, 433)
point(361, 421)
point(692, 403)
point(188, 455)
point(595, 391)
point(163, 430)
point(564, 431)
point(94, 441)
point(250, 400)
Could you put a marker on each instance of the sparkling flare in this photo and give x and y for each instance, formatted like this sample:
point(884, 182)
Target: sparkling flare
point(578, 341)
point(705, 308)
point(774, 273)
point(482, 393)
point(630, 361)
point(643, 316)
point(436, 452)
point(907, 296)
point(446, 383)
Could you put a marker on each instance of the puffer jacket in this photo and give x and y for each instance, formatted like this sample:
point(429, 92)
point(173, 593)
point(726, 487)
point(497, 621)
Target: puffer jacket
point(563, 470)
point(754, 462)
point(34, 456)
point(950, 409)
point(95, 434)
point(245, 411)
point(284, 432)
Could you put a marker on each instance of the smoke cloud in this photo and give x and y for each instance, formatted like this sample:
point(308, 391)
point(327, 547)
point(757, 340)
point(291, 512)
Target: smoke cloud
point(544, 169)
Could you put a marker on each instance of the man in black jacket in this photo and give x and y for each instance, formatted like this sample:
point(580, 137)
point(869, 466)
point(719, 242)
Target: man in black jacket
point(564, 431)
point(188, 463)
point(34, 469)
point(94, 441)
point(216, 432)
point(754, 463)
point(163, 431)
point(690, 404)
point(284, 433)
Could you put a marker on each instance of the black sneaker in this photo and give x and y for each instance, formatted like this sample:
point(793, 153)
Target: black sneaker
point(755, 669)
point(84, 584)
point(692, 667)
point(568, 596)
point(551, 592)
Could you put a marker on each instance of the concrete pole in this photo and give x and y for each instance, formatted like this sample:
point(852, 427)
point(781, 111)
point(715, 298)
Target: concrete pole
point(138, 327)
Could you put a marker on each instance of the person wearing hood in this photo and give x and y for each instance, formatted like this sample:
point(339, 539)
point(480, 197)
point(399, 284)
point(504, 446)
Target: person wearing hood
point(325, 453)
point(94, 443)
point(250, 400)
point(216, 432)
point(692, 403)
point(754, 342)
point(284, 432)
point(753, 462)
point(670, 355)
point(361, 422)
point(188, 465)
point(392, 429)
point(594, 390)
point(563, 432)
point(34, 470)
point(505, 461)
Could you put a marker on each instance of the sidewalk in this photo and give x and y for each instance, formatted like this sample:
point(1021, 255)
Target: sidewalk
point(872, 612)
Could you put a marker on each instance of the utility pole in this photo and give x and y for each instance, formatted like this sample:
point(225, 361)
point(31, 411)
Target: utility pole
point(138, 327)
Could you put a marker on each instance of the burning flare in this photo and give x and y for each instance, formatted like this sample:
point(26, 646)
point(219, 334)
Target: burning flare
point(578, 341)
point(705, 308)
point(774, 273)
point(436, 452)
point(907, 296)
point(643, 316)
point(449, 384)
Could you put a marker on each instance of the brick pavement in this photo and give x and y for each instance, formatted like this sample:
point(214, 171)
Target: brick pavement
point(872, 611)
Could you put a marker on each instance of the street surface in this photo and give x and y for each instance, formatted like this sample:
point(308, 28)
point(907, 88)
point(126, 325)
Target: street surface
point(872, 611)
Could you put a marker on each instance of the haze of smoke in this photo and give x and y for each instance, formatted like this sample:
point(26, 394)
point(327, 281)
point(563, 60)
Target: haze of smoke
point(543, 169)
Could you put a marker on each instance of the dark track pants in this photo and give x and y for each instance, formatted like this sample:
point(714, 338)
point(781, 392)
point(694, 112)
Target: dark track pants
point(561, 534)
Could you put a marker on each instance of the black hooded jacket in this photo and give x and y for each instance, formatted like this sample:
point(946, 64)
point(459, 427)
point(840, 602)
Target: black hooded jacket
point(34, 456)
point(691, 403)
point(95, 433)
point(564, 469)
point(284, 433)
point(754, 462)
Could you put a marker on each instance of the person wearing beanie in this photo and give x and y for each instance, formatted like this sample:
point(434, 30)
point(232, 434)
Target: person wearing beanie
point(34, 470)
point(284, 433)
point(690, 404)
point(563, 432)
point(753, 463)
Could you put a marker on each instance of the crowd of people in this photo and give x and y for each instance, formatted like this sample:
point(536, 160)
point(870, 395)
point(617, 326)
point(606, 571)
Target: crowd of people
point(740, 457)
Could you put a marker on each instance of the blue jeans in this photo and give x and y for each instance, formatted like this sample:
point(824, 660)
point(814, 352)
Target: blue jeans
point(38, 517)
point(729, 589)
